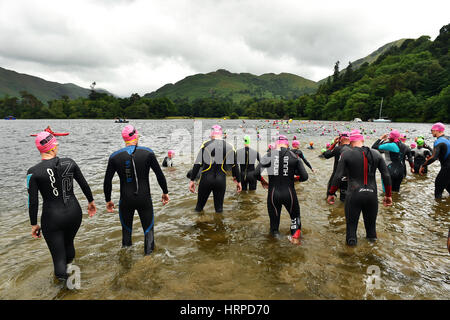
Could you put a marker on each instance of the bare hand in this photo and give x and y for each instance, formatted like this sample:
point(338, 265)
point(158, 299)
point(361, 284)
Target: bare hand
point(110, 206)
point(192, 186)
point(34, 231)
point(387, 201)
point(384, 137)
point(165, 198)
point(92, 209)
point(238, 186)
point(330, 199)
point(421, 170)
point(412, 170)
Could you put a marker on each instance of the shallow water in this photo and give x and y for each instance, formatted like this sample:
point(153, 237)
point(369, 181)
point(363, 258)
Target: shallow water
point(221, 256)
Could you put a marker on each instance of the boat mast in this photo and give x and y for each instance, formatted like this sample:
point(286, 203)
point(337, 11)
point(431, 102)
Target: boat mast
point(381, 107)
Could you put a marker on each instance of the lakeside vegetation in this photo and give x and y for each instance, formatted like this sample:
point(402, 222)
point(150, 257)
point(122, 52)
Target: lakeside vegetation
point(413, 80)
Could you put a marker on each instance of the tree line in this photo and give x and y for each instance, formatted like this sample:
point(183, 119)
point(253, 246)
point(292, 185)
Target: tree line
point(413, 80)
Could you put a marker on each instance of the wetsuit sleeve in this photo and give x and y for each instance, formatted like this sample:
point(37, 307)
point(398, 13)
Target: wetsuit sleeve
point(305, 161)
point(33, 200)
point(107, 183)
point(409, 156)
point(235, 169)
point(158, 172)
point(79, 178)
point(385, 176)
point(435, 156)
point(263, 164)
point(377, 144)
point(329, 153)
point(301, 171)
point(197, 164)
point(340, 172)
point(164, 163)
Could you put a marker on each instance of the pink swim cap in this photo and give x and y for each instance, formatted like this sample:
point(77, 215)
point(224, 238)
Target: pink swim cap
point(282, 139)
point(171, 152)
point(413, 145)
point(295, 144)
point(129, 133)
point(216, 130)
point(394, 135)
point(439, 126)
point(45, 141)
point(356, 135)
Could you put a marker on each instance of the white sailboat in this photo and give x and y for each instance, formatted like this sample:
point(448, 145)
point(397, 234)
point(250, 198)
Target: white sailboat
point(380, 119)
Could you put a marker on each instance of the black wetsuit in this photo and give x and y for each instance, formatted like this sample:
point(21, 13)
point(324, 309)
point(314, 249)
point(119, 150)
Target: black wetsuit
point(394, 153)
point(360, 164)
point(441, 151)
point(133, 164)
point(215, 158)
point(246, 158)
point(336, 153)
point(167, 162)
point(420, 155)
point(61, 212)
point(299, 153)
point(281, 166)
point(407, 156)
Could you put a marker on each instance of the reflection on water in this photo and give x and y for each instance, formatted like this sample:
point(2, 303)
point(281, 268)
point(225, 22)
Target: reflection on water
point(221, 256)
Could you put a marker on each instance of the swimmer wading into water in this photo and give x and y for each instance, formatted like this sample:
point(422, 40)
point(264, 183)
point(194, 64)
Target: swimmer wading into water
point(61, 213)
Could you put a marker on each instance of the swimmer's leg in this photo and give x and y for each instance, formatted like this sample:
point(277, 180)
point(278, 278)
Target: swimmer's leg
point(352, 213)
point(55, 243)
point(370, 211)
point(274, 210)
point(126, 219)
point(204, 190)
point(219, 193)
point(147, 220)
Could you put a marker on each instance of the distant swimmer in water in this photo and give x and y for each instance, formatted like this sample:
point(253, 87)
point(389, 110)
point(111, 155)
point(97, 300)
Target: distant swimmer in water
point(420, 155)
point(215, 159)
point(133, 164)
point(339, 146)
point(282, 165)
point(246, 158)
point(311, 145)
point(441, 152)
point(394, 151)
point(61, 212)
point(360, 164)
point(296, 149)
point(168, 162)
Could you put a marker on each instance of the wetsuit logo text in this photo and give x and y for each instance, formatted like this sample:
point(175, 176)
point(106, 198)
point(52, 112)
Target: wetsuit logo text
point(52, 181)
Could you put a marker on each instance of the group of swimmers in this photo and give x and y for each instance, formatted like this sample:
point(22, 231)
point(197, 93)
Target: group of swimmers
point(353, 174)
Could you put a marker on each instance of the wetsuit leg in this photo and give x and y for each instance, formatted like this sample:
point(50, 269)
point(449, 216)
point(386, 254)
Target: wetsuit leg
point(69, 236)
point(352, 213)
point(370, 211)
point(126, 214)
point(244, 182)
point(56, 245)
point(274, 210)
point(204, 190)
point(252, 182)
point(219, 188)
point(147, 220)
point(252, 185)
point(442, 182)
point(292, 206)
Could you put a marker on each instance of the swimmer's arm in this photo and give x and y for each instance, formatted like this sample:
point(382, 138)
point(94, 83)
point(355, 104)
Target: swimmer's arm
point(385, 176)
point(390, 146)
point(340, 172)
point(107, 183)
point(33, 200)
point(377, 144)
point(158, 172)
point(235, 168)
point(78, 176)
point(329, 153)
point(305, 161)
point(434, 156)
point(197, 164)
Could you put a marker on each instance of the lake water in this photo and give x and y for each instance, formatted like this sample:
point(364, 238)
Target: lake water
point(229, 255)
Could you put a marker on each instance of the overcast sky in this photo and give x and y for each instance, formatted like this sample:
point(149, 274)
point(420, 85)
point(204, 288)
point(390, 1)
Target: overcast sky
point(129, 46)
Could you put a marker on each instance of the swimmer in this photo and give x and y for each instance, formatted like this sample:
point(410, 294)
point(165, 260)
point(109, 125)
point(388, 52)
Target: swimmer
point(61, 213)
point(296, 149)
point(246, 158)
point(340, 145)
point(167, 162)
point(282, 164)
point(420, 155)
point(394, 151)
point(133, 164)
point(215, 159)
point(441, 152)
point(311, 145)
point(359, 164)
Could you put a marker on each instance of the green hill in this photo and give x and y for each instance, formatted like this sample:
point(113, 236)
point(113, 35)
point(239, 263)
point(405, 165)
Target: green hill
point(12, 83)
point(236, 86)
point(371, 57)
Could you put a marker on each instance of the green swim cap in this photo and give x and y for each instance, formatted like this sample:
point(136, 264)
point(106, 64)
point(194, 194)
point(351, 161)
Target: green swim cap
point(420, 142)
point(246, 140)
point(323, 150)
